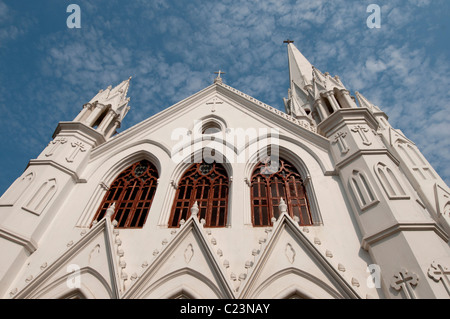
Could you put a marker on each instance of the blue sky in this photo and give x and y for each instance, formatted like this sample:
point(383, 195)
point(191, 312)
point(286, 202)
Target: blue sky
point(172, 48)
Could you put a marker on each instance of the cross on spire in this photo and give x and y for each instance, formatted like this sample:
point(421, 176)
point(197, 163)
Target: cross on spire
point(288, 41)
point(219, 73)
point(218, 78)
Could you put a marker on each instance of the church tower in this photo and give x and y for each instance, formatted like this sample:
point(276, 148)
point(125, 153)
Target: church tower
point(223, 196)
point(28, 207)
point(397, 198)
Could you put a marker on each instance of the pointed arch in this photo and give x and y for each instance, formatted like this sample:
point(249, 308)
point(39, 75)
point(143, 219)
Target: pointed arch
point(17, 189)
point(40, 200)
point(92, 286)
point(362, 190)
point(132, 193)
point(184, 281)
point(390, 182)
point(206, 183)
point(294, 281)
point(299, 163)
point(272, 180)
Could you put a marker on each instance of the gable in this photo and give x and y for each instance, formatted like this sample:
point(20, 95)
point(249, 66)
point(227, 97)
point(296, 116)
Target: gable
point(289, 264)
point(187, 266)
point(246, 122)
point(86, 270)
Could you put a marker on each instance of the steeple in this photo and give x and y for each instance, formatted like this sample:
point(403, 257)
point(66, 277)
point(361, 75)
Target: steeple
point(106, 110)
point(300, 70)
point(313, 95)
point(364, 102)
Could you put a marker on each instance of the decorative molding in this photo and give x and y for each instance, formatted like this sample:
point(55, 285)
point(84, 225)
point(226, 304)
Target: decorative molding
point(361, 130)
point(56, 143)
point(438, 272)
point(359, 153)
point(43, 196)
point(339, 139)
point(94, 253)
point(389, 231)
point(188, 253)
point(263, 253)
point(77, 148)
point(16, 191)
point(304, 124)
point(28, 243)
point(60, 167)
point(214, 101)
point(218, 267)
point(405, 281)
point(79, 128)
point(290, 253)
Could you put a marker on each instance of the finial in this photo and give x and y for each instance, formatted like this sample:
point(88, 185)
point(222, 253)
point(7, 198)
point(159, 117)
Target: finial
point(288, 41)
point(110, 211)
point(194, 209)
point(282, 206)
point(218, 78)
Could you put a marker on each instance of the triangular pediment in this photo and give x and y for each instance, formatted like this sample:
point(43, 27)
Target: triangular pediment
point(86, 270)
point(217, 100)
point(290, 265)
point(187, 266)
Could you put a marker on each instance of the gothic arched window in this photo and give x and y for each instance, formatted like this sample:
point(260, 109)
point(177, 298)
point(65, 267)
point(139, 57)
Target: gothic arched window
point(390, 182)
point(362, 190)
point(132, 192)
point(273, 181)
point(207, 184)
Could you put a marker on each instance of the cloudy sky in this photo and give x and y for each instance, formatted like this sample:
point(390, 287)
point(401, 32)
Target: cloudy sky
point(171, 48)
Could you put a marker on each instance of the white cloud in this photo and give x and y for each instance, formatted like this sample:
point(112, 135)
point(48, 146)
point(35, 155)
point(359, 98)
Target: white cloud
point(172, 50)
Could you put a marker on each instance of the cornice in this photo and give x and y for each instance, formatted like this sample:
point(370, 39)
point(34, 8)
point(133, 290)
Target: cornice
point(71, 173)
point(80, 128)
point(370, 240)
point(350, 115)
point(28, 243)
point(359, 153)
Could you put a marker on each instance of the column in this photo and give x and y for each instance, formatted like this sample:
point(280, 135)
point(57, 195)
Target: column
point(332, 99)
point(106, 121)
point(348, 99)
point(321, 109)
point(95, 114)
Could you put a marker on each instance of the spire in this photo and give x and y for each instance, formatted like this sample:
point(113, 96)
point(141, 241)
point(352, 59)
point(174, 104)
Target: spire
point(364, 102)
point(300, 70)
point(106, 110)
point(298, 104)
point(116, 97)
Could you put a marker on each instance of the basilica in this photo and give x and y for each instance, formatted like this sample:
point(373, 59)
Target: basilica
point(223, 196)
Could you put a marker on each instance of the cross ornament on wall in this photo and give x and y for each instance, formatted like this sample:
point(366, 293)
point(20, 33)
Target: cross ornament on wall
point(339, 139)
point(437, 272)
point(78, 147)
point(55, 144)
point(404, 281)
point(361, 130)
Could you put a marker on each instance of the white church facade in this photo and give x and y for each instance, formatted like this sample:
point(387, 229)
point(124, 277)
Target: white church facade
point(223, 196)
